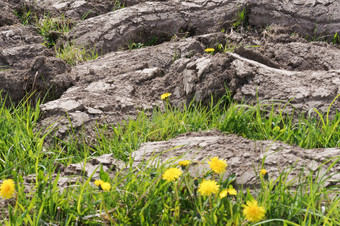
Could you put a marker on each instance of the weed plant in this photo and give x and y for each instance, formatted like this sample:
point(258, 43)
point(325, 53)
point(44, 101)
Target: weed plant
point(52, 28)
point(241, 19)
point(24, 15)
point(140, 195)
point(49, 28)
point(118, 5)
point(73, 55)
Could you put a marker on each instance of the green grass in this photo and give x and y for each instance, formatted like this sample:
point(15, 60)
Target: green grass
point(240, 19)
point(118, 5)
point(53, 28)
point(74, 55)
point(24, 14)
point(140, 196)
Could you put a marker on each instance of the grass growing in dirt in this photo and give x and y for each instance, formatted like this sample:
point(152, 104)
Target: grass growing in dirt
point(145, 195)
point(52, 29)
point(73, 55)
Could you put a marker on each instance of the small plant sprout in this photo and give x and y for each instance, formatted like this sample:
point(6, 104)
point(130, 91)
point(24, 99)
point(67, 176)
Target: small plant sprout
point(220, 47)
point(24, 15)
point(336, 39)
point(118, 5)
point(240, 19)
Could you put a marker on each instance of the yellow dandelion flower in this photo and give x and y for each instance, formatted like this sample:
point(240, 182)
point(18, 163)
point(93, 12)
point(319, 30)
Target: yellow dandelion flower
point(217, 165)
point(232, 191)
point(171, 174)
point(106, 186)
point(208, 187)
point(253, 212)
point(224, 193)
point(263, 172)
point(209, 50)
point(7, 189)
point(165, 96)
point(184, 163)
point(98, 182)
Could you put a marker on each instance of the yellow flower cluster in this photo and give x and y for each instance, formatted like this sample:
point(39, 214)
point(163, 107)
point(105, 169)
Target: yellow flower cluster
point(208, 187)
point(218, 165)
point(171, 174)
point(98, 182)
point(230, 191)
point(7, 189)
point(106, 186)
point(165, 96)
point(184, 163)
point(253, 212)
point(209, 50)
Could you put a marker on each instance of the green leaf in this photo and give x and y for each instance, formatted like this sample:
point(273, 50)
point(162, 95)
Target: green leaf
point(103, 175)
point(230, 180)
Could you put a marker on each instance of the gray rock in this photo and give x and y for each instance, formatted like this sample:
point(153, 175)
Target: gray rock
point(113, 92)
point(92, 167)
point(7, 16)
point(313, 17)
point(116, 91)
point(149, 21)
point(79, 10)
point(26, 66)
point(244, 157)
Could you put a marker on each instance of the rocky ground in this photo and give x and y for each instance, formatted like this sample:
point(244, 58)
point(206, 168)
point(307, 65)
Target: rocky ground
point(271, 60)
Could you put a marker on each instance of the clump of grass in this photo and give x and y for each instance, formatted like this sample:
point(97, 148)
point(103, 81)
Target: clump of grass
point(241, 19)
point(132, 45)
point(118, 5)
point(153, 41)
point(24, 14)
point(53, 28)
point(73, 55)
point(18, 139)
